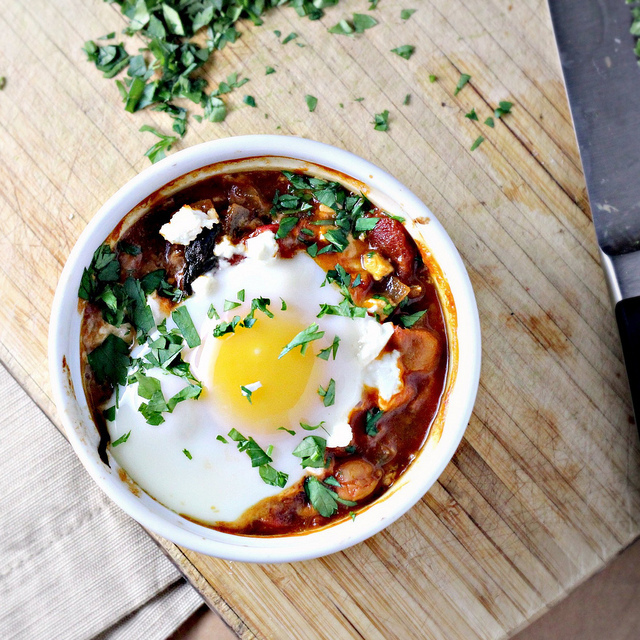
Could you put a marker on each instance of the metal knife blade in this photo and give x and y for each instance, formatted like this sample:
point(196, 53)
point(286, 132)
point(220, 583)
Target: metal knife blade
point(602, 79)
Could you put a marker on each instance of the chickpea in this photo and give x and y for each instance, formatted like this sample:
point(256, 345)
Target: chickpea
point(358, 478)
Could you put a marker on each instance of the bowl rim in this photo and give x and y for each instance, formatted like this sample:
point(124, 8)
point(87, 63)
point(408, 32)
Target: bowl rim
point(315, 543)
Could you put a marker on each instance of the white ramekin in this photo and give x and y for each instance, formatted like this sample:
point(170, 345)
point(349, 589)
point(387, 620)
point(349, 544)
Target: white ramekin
point(455, 291)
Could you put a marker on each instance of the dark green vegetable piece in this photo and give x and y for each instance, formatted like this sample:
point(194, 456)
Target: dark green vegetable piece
point(110, 360)
point(405, 51)
point(478, 141)
point(159, 149)
point(312, 102)
point(503, 109)
point(464, 78)
point(381, 121)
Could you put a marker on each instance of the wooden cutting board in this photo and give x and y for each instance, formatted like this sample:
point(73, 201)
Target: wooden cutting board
point(544, 487)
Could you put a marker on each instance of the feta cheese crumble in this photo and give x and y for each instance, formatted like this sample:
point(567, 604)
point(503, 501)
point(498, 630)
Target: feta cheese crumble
point(186, 224)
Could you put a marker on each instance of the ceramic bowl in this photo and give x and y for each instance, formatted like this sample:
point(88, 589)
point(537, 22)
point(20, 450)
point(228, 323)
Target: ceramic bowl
point(454, 288)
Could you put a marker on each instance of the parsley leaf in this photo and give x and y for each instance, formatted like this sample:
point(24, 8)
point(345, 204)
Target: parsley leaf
point(159, 149)
point(333, 349)
point(405, 14)
point(472, 115)
point(478, 141)
point(286, 226)
point(292, 36)
point(312, 102)
point(311, 451)
point(503, 109)
point(110, 360)
point(489, 122)
point(272, 477)
point(381, 121)
point(291, 432)
point(409, 320)
point(250, 100)
point(371, 421)
point(321, 497)
point(188, 330)
point(269, 71)
point(405, 51)
point(303, 339)
point(121, 439)
point(464, 78)
point(329, 394)
point(187, 453)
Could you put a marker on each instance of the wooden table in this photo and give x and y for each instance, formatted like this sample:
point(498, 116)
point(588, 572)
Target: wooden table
point(544, 487)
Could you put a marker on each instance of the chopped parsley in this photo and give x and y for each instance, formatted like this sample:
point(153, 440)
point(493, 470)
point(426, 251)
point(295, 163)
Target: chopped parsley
point(222, 439)
point(212, 313)
point(226, 327)
point(291, 432)
point(158, 150)
point(328, 395)
point(187, 453)
point(269, 71)
point(250, 100)
point(464, 79)
point(331, 350)
point(283, 307)
point(121, 439)
point(110, 413)
point(322, 498)
point(128, 247)
point(490, 122)
point(371, 421)
point(432, 78)
point(287, 223)
point(182, 318)
point(407, 99)
point(292, 36)
point(110, 360)
point(303, 339)
point(409, 320)
point(358, 24)
point(472, 115)
point(381, 121)
point(405, 14)
point(312, 102)
point(230, 304)
point(405, 51)
point(312, 427)
point(311, 451)
point(477, 142)
point(259, 458)
point(247, 393)
point(503, 109)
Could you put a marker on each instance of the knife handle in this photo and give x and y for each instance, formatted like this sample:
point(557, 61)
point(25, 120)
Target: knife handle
point(628, 317)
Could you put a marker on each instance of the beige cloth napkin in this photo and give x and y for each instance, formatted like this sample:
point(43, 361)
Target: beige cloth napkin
point(72, 565)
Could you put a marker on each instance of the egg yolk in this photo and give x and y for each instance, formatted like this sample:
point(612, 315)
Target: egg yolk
point(251, 355)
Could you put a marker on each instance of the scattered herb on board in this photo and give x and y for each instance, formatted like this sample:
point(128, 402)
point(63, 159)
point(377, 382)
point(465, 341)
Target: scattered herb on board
point(490, 122)
point(250, 100)
point(158, 150)
point(405, 51)
point(472, 115)
point(503, 109)
point(168, 67)
point(3, 82)
point(464, 79)
point(359, 23)
point(269, 71)
point(405, 14)
point(381, 121)
point(407, 99)
point(312, 102)
point(478, 141)
point(432, 78)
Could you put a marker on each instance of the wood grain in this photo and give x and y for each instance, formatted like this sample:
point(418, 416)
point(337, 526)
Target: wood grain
point(544, 488)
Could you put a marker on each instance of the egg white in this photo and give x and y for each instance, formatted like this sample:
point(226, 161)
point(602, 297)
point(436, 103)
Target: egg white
point(218, 482)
